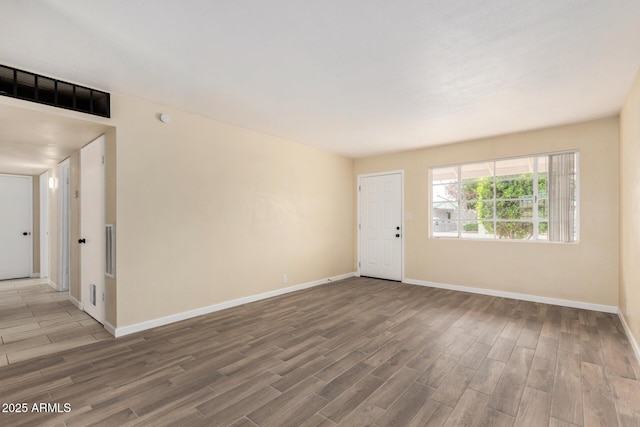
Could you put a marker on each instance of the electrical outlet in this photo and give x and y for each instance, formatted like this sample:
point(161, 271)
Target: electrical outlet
point(284, 279)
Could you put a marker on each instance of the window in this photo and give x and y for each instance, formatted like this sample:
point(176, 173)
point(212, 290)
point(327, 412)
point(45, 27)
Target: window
point(524, 198)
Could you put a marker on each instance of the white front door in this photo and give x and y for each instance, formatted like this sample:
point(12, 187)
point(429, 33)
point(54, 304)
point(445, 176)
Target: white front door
point(380, 226)
point(92, 225)
point(16, 220)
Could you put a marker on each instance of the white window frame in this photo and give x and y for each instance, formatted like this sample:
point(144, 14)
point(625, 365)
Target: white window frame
point(535, 199)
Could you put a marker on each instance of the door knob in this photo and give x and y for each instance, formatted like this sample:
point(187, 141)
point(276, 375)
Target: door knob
point(397, 235)
point(398, 228)
point(25, 233)
point(82, 240)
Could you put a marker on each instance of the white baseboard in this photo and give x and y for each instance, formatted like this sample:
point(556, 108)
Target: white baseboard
point(154, 323)
point(632, 339)
point(110, 328)
point(75, 302)
point(53, 284)
point(514, 295)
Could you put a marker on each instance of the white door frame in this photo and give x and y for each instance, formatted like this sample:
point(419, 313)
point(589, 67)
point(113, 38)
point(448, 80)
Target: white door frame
point(64, 226)
point(402, 233)
point(44, 224)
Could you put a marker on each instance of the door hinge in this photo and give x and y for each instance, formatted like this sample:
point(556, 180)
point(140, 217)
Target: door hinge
point(359, 264)
point(359, 188)
point(103, 159)
point(103, 297)
point(359, 226)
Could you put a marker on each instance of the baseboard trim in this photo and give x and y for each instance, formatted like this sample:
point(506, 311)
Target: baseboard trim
point(632, 339)
point(110, 328)
point(75, 302)
point(161, 321)
point(518, 296)
point(53, 284)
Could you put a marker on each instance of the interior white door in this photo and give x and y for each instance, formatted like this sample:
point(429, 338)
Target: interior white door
point(64, 228)
point(380, 226)
point(92, 225)
point(15, 226)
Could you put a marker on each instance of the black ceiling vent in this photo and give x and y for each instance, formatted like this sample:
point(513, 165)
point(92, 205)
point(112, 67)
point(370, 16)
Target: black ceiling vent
point(45, 90)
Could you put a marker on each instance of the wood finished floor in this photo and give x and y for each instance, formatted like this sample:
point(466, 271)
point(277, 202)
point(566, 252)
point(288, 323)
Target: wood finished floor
point(36, 320)
point(356, 352)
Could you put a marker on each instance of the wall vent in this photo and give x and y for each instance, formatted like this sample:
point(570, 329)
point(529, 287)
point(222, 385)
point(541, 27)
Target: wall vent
point(110, 264)
point(45, 90)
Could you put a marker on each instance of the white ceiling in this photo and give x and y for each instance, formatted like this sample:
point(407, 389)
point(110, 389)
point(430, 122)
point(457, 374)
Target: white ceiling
point(353, 77)
point(32, 142)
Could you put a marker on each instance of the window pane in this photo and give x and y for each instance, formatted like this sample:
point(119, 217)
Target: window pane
point(514, 230)
point(444, 228)
point(444, 175)
point(543, 163)
point(476, 230)
point(65, 95)
point(477, 170)
point(100, 102)
point(514, 167)
point(514, 209)
point(445, 211)
point(46, 90)
point(445, 192)
point(26, 84)
point(542, 208)
point(543, 228)
point(514, 186)
point(477, 188)
point(83, 99)
point(6, 80)
point(469, 227)
point(543, 176)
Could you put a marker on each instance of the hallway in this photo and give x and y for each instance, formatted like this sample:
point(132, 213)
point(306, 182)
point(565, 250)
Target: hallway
point(36, 320)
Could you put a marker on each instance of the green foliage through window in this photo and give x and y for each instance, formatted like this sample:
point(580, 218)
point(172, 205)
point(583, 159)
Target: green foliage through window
point(506, 199)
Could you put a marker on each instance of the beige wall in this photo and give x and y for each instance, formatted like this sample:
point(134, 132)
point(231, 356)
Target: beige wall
point(630, 210)
point(35, 229)
point(586, 272)
point(111, 218)
point(74, 219)
point(209, 212)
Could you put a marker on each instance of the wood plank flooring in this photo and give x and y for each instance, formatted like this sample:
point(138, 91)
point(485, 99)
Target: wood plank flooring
point(36, 320)
point(355, 352)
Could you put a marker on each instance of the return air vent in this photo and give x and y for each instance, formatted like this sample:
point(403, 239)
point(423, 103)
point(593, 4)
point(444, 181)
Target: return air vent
point(45, 90)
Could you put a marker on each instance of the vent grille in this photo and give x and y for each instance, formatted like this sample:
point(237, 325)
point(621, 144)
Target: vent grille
point(110, 251)
point(45, 90)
